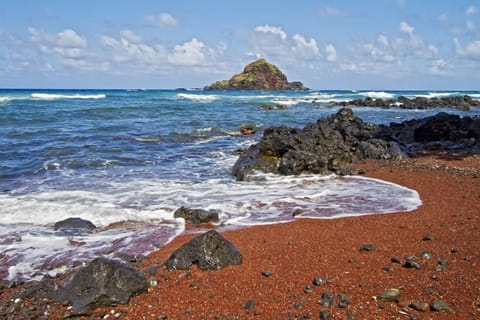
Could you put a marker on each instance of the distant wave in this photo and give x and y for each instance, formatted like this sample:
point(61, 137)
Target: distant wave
point(5, 99)
point(378, 94)
point(197, 97)
point(437, 94)
point(51, 96)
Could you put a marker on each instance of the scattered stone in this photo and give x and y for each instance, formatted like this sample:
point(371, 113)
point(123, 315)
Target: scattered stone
point(308, 289)
point(411, 264)
point(438, 305)
point(428, 237)
point(454, 250)
point(396, 260)
point(327, 298)
point(267, 273)
point(74, 226)
point(317, 281)
point(250, 305)
point(196, 216)
point(442, 262)
point(388, 268)
point(343, 300)
point(209, 251)
point(101, 283)
point(426, 255)
point(324, 315)
point(366, 247)
point(390, 294)
point(419, 306)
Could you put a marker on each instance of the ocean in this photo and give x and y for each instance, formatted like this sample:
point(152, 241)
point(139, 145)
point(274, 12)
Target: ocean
point(127, 159)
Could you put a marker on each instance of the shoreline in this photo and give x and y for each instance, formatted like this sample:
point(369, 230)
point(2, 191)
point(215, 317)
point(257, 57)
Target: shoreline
point(446, 227)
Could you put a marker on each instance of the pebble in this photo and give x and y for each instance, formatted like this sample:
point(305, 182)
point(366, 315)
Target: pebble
point(250, 305)
point(419, 306)
point(344, 301)
point(367, 247)
point(324, 315)
point(428, 237)
point(390, 294)
point(308, 289)
point(438, 305)
point(267, 273)
point(412, 265)
point(426, 255)
point(327, 298)
point(454, 250)
point(395, 260)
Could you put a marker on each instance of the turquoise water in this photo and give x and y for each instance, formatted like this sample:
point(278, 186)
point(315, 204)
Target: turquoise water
point(131, 157)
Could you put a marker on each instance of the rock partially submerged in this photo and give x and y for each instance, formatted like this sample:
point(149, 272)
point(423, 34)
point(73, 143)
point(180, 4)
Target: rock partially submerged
point(102, 283)
point(74, 226)
point(334, 144)
point(457, 102)
point(258, 75)
point(210, 251)
point(196, 216)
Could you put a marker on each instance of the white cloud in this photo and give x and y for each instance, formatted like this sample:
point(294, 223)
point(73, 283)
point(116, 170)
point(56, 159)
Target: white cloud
point(67, 43)
point(193, 52)
point(471, 10)
point(383, 40)
point(330, 52)
point(438, 67)
point(272, 30)
point(332, 11)
point(406, 28)
point(471, 50)
point(305, 48)
point(164, 19)
point(130, 36)
point(123, 50)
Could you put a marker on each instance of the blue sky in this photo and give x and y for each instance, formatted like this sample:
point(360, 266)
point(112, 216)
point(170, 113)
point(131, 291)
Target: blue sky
point(350, 44)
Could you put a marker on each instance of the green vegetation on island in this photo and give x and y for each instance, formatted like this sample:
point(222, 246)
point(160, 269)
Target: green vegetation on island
point(258, 75)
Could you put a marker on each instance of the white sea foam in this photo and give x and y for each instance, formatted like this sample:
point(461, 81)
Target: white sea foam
point(51, 96)
point(5, 99)
point(26, 220)
point(437, 94)
point(378, 94)
point(198, 97)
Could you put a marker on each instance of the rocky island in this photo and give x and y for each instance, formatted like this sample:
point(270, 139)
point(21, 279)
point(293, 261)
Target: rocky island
point(258, 75)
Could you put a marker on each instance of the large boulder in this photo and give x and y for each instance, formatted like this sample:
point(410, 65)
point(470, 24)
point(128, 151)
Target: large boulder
point(258, 75)
point(210, 251)
point(102, 283)
point(331, 144)
point(196, 216)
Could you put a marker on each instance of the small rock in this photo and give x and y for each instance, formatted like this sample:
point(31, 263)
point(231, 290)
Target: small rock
point(410, 264)
point(249, 305)
point(428, 237)
point(390, 294)
point(367, 247)
point(267, 273)
point(317, 281)
point(247, 129)
point(419, 306)
point(442, 262)
point(396, 260)
point(297, 212)
point(426, 255)
point(308, 289)
point(438, 305)
point(324, 315)
point(454, 250)
point(343, 300)
point(388, 268)
point(327, 298)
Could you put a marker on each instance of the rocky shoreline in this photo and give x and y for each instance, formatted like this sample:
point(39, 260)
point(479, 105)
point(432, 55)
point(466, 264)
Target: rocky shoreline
point(411, 264)
point(463, 103)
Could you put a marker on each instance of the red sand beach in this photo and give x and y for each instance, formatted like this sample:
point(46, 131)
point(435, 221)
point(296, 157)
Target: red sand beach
point(443, 235)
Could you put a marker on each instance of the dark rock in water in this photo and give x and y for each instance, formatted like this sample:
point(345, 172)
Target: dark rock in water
point(210, 251)
point(74, 226)
point(196, 216)
point(102, 283)
point(275, 107)
point(258, 75)
point(247, 129)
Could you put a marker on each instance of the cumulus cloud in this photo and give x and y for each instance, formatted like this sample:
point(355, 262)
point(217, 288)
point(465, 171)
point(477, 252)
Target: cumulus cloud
point(471, 50)
point(67, 43)
point(277, 31)
point(164, 19)
point(438, 67)
point(193, 52)
point(406, 28)
point(331, 52)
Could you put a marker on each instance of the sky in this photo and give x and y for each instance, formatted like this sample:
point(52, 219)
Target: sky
point(349, 44)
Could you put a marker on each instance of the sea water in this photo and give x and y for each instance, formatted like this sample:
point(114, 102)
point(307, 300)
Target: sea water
point(127, 159)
